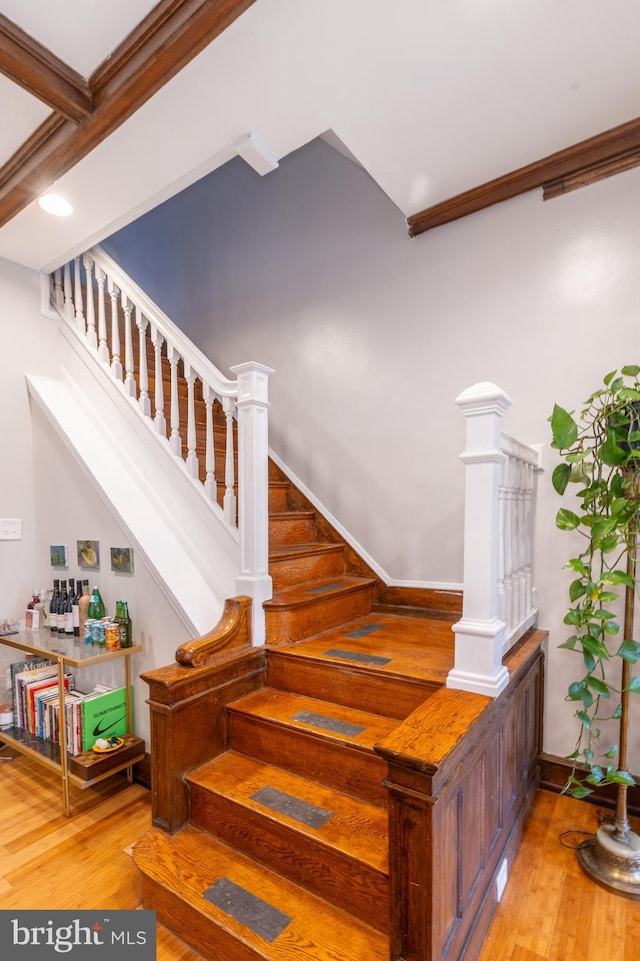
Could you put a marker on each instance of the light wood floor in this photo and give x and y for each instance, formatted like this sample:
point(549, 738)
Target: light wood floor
point(549, 911)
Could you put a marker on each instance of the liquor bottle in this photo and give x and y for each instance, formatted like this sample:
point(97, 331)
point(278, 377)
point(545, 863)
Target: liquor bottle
point(96, 605)
point(122, 618)
point(53, 606)
point(68, 609)
point(45, 597)
point(83, 607)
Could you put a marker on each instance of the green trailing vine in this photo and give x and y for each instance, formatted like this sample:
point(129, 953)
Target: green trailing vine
point(600, 451)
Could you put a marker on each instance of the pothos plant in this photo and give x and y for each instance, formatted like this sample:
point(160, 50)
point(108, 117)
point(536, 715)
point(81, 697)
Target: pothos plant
point(600, 451)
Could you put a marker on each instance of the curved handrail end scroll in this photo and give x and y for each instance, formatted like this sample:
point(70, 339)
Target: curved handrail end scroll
point(232, 631)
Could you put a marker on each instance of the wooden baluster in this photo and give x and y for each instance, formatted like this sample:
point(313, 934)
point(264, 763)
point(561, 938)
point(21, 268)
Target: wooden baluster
point(192, 458)
point(68, 294)
point(144, 402)
point(77, 274)
point(58, 295)
point(159, 420)
point(129, 378)
point(92, 338)
point(229, 501)
point(103, 347)
point(210, 486)
point(175, 440)
point(116, 362)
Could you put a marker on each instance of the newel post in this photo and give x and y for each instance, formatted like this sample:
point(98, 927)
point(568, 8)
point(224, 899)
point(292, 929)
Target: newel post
point(253, 489)
point(480, 633)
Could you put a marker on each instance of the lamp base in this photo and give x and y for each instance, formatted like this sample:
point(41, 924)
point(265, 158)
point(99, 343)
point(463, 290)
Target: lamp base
point(612, 864)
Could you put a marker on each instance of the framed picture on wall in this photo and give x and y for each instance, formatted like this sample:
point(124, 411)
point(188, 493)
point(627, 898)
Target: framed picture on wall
point(122, 560)
point(59, 555)
point(89, 555)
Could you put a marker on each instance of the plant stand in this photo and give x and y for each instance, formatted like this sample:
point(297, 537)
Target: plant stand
point(612, 858)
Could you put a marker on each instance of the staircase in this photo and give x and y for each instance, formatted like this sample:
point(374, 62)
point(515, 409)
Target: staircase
point(286, 846)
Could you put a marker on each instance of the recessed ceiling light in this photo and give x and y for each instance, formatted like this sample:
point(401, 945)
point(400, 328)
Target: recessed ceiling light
point(55, 204)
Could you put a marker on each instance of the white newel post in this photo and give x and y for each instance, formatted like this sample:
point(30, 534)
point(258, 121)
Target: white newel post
point(480, 633)
point(253, 489)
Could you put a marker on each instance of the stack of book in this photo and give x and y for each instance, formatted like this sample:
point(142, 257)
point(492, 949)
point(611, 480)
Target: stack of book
point(88, 716)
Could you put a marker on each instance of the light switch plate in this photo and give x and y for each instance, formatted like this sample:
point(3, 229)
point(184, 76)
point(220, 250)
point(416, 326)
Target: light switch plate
point(10, 529)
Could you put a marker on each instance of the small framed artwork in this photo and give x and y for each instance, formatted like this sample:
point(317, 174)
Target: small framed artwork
point(89, 555)
point(122, 560)
point(59, 555)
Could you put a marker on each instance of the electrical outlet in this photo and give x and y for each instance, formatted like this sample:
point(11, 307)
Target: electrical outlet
point(501, 879)
point(10, 529)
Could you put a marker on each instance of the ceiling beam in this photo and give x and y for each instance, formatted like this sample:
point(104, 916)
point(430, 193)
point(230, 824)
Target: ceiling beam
point(166, 40)
point(583, 163)
point(38, 70)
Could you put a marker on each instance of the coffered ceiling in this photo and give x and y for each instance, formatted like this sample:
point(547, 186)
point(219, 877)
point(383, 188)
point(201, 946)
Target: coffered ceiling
point(118, 104)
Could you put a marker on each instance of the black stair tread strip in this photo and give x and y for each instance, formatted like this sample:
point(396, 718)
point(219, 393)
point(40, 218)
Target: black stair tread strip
point(320, 589)
point(327, 723)
point(365, 630)
point(340, 583)
point(293, 807)
point(358, 656)
point(256, 914)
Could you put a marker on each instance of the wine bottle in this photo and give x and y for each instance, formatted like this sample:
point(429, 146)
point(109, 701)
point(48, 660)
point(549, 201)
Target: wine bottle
point(68, 609)
point(75, 608)
point(62, 606)
point(53, 606)
point(96, 605)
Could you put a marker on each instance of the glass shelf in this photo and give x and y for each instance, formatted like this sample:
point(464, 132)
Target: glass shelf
point(74, 651)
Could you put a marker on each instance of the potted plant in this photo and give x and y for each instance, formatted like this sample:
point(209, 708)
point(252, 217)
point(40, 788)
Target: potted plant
point(600, 451)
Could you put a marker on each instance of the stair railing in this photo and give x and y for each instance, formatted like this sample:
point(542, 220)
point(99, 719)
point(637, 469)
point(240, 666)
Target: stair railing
point(499, 601)
point(123, 328)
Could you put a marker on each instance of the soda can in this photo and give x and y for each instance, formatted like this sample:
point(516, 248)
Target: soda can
point(112, 636)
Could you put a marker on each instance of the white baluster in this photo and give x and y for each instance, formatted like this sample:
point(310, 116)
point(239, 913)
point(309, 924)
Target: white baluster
point(92, 338)
point(210, 486)
point(144, 402)
point(103, 347)
point(129, 379)
point(116, 362)
point(159, 420)
point(58, 294)
point(68, 295)
point(77, 275)
point(509, 543)
point(190, 376)
point(175, 440)
point(229, 504)
point(502, 514)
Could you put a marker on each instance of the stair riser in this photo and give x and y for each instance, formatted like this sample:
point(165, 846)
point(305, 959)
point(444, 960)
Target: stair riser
point(291, 530)
point(290, 570)
point(336, 877)
point(204, 935)
point(381, 693)
point(324, 760)
point(286, 625)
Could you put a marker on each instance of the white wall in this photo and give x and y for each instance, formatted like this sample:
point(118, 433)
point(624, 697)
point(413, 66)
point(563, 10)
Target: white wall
point(372, 335)
point(44, 486)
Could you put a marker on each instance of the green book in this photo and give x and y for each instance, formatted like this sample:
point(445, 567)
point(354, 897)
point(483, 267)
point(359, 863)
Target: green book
point(104, 715)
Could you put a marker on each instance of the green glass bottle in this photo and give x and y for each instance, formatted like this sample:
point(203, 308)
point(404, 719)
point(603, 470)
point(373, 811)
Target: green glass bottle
point(96, 605)
point(126, 632)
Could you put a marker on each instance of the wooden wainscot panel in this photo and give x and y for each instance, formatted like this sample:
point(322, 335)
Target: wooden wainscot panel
point(462, 771)
point(188, 704)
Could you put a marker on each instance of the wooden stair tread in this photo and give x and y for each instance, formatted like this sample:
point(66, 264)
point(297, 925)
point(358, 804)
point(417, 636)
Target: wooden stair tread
point(419, 648)
point(317, 592)
point(282, 707)
point(185, 865)
point(355, 827)
point(287, 551)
